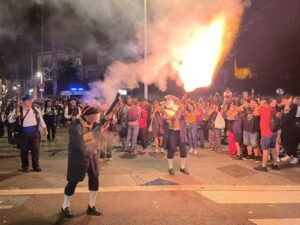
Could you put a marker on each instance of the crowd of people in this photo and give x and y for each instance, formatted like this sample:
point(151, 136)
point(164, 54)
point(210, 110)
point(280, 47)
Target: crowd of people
point(252, 126)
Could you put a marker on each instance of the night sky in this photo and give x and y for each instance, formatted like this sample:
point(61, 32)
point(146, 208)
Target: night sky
point(268, 42)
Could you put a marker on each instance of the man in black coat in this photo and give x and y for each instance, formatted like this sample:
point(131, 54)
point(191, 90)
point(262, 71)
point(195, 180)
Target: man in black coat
point(82, 159)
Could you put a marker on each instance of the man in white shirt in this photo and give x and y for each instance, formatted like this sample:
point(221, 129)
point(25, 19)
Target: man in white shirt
point(30, 118)
point(72, 111)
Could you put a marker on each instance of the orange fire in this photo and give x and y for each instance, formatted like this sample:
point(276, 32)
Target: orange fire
point(200, 56)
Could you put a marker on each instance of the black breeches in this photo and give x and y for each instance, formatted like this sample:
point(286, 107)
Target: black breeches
point(93, 183)
point(174, 142)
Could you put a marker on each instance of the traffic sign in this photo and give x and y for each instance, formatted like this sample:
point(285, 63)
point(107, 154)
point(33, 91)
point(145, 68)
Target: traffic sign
point(41, 85)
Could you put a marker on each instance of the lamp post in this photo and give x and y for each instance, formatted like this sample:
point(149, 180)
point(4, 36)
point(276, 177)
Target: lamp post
point(41, 85)
point(145, 48)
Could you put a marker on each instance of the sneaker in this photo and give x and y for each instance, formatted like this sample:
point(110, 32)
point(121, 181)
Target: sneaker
point(92, 211)
point(274, 167)
point(285, 158)
point(38, 169)
point(185, 171)
point(132, 151)
point(67, 213)
point(195, 152)
point(24, 169)
point(258, 159)
point(261, 168)
point(191, 150)
point(294, 161)
point(238, 157)
point(171, 172)
point(248, 157)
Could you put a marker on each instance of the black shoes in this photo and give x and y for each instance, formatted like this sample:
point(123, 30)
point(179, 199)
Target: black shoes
point(67, 213)
point(274, 167)
point(24, 169)
point(248, 157)
point(238, 157)
point(185, 171)
point(171, 172)
point(261, 169)
point(92, 211)
point(38, 169)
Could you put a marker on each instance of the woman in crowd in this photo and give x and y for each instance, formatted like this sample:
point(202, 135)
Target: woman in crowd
point(214, 134)
point(143, 126)
point(157, 127)
point(191, 123)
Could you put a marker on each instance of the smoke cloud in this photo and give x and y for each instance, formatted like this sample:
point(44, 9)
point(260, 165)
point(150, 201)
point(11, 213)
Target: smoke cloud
point(170, 25)
point(115, 30)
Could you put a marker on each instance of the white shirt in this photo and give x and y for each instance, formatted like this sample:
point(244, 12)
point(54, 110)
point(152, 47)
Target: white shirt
point(30, 119)
point(67, 116)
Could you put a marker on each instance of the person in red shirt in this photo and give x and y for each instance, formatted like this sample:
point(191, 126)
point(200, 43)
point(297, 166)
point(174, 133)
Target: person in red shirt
point(143, 125)
point(268, 138)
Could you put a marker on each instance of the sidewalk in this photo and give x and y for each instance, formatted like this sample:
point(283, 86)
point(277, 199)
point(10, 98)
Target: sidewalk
point(206, 168)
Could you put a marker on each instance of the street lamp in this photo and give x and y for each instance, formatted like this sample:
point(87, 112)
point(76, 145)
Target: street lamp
point(41, 85)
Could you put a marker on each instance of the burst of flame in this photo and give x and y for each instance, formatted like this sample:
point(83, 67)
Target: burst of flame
point(200, 56)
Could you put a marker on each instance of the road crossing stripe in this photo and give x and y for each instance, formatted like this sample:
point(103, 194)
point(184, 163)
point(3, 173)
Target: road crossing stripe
point(289, 221)
point(202, 189)
point(252, 197)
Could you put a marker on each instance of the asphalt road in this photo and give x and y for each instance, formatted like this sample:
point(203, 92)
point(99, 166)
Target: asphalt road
point(138, 190)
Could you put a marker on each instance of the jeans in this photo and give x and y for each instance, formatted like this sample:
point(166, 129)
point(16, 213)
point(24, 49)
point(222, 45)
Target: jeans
point(201, 127)
point(133, 131)
point(143, 137)
point(192, 135)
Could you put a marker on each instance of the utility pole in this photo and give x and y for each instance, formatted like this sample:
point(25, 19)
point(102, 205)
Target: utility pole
point(145, 49)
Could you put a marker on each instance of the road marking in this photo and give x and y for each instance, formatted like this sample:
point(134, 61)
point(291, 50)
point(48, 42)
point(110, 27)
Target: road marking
point(206, 189)
point(251, 197)
point(6, 206)
point(291, 221)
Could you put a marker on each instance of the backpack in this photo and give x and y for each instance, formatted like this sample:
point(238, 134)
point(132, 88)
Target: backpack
point(274, 122)
point(133, 114)
point(219, 122)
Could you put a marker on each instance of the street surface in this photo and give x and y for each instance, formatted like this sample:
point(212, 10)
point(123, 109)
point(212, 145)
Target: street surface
point(136, 189)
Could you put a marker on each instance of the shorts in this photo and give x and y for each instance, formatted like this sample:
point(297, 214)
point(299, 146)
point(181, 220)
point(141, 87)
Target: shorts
point(238, 138)
point(250, 139)
point(268, 142)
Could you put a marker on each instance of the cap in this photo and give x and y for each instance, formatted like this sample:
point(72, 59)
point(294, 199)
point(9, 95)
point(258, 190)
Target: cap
point(26, 97)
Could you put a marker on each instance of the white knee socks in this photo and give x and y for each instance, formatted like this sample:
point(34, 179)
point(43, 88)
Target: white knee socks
point(66, 201)
point(170, 161)
point(93, 196)
point(182, 163)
